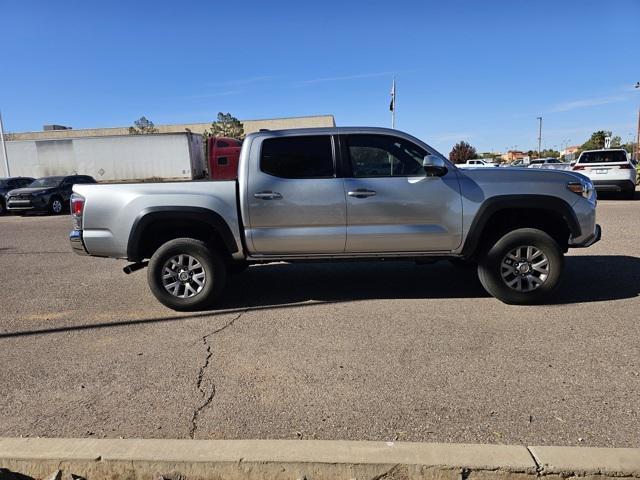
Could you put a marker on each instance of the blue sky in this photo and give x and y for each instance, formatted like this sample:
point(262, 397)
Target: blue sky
point(480, 71)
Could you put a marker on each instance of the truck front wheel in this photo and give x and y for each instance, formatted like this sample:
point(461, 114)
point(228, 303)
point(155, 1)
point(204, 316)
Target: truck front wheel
point(185, 274)
point(523, 267)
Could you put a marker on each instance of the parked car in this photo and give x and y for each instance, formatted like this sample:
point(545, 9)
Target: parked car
point(609, 170)
point(539, 162)
point(477, 162)
point(46, 194)
point(8, 184)
point(290, 202)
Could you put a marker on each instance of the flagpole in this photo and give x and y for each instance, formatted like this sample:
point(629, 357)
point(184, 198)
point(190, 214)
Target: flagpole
point(393, 100)
point(4, 148)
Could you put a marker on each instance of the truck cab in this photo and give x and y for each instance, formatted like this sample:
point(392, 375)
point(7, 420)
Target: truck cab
point(223, 156)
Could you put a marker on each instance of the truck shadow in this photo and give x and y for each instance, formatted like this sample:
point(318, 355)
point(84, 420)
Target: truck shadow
point(589, 278)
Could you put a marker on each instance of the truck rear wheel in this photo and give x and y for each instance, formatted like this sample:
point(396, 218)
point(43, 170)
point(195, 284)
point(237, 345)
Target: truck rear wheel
point(523, 267)
point(185, 274)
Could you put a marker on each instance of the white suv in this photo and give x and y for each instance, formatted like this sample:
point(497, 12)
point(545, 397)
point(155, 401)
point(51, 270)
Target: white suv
point(609, 170)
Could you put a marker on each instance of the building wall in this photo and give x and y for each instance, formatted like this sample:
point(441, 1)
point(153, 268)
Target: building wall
point(249, 127)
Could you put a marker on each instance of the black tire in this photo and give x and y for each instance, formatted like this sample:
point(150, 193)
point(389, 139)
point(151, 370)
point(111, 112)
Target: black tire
point(213, 267)
point(56, 206)
point(629, 194)
point(3, 209)
point(490, 267)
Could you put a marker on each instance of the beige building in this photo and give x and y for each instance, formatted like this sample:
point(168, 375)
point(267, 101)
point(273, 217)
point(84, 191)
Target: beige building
point(249, 126)
point(512, 155)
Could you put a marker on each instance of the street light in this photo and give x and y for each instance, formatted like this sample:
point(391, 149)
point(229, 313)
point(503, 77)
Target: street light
point(539, 136)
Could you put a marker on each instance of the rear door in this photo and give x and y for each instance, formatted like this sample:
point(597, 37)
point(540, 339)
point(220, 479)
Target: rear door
point(392, 206)
point(296, 203)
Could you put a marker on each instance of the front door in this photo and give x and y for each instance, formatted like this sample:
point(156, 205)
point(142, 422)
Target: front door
point(392, 206)
point(296, 203)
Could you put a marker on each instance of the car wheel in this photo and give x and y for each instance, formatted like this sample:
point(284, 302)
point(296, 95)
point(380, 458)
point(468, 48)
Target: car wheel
point(55, 206)
point(185, 274)
point(2, 208)
point(523, 267)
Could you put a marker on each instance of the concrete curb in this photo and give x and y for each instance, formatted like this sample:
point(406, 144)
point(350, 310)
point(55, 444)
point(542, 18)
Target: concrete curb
point(111, 459)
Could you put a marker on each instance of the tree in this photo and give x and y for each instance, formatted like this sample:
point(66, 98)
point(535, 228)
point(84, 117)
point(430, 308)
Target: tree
point(596, 141)
point(142, 126)
point(549, 152)
point(226, 125)
point(461, 152)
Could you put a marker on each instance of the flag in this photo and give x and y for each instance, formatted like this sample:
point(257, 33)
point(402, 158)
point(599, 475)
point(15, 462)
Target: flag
point(392, 105)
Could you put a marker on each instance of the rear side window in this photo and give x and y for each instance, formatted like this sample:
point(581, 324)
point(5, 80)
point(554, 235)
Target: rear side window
point(298, 157)
point(222, 144)
point(604, 156)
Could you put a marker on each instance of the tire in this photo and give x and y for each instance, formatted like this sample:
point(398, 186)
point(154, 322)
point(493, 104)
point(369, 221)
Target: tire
point(56, 206)
point(3, 209)
point(205, 281)
point(629, 194)
point(531, 285)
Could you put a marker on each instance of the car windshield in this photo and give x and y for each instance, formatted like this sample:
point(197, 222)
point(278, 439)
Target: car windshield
point(604, 156)
point(3, 182)
point(46, 182)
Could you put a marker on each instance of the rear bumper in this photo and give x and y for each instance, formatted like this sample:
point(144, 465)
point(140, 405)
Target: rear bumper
point(77, 245)
point(614, 185)
point(590, 240)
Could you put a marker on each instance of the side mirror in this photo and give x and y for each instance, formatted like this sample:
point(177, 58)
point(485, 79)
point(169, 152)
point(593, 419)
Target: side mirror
point(434, 166)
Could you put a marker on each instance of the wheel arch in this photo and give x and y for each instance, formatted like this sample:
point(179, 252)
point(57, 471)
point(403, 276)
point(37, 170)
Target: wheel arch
point(502, 213)
point(156, 225)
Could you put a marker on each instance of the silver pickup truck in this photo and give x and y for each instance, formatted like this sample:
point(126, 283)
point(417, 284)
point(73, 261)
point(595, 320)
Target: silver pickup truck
point(334, 194)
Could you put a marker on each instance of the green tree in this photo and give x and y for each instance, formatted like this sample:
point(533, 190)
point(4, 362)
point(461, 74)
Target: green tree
point(549, 152)
point(596, 141)
point(142, 126)
point(461, 152)
point(226, 125)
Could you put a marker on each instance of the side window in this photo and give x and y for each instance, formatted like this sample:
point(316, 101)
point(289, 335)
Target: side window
point(384, 156)
point(222, 144)
point(298, 157)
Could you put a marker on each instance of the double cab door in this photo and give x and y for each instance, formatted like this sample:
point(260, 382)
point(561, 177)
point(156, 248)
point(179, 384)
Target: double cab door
point(348, 193)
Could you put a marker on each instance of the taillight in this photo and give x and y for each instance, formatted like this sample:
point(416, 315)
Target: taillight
point(578, 167)
point(77, 208)
point(626, 166)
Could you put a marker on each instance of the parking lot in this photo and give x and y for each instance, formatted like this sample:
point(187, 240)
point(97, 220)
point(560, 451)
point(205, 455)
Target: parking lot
point(367, 351)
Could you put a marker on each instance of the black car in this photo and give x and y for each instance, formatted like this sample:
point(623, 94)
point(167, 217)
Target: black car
point(8, 184)
point(46, 194)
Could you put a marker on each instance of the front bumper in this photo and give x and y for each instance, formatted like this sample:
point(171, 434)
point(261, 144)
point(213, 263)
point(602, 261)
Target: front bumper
point(590, 240)
point(27, 204)
point(77, 245)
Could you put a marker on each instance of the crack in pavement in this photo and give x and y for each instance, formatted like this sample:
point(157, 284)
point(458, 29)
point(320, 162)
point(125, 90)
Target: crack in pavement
point(207, 397)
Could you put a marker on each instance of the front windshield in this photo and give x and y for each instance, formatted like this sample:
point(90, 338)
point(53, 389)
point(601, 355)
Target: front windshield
point(45, 182)
point(3, 182)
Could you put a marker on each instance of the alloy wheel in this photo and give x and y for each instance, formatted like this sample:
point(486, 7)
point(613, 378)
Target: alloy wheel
point(524, 268)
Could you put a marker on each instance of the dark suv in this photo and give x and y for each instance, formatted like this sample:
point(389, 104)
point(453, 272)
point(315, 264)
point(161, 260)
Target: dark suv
point(46, 194)
point(8, 184)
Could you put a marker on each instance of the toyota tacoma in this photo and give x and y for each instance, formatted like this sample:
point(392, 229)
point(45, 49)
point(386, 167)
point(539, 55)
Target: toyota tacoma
point(336, 194)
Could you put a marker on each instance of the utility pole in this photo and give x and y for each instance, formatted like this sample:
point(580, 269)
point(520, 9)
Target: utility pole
point(539, 137)
point(637, 147)
point(4, 148)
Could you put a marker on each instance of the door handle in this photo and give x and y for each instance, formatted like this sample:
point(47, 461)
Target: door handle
point(268, 195)
point(361, 193)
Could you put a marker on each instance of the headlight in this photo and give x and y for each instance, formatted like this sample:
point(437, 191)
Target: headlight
point(583, 187)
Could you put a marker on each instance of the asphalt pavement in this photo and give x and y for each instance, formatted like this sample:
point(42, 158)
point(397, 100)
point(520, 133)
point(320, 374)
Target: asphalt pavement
point(357, 351)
